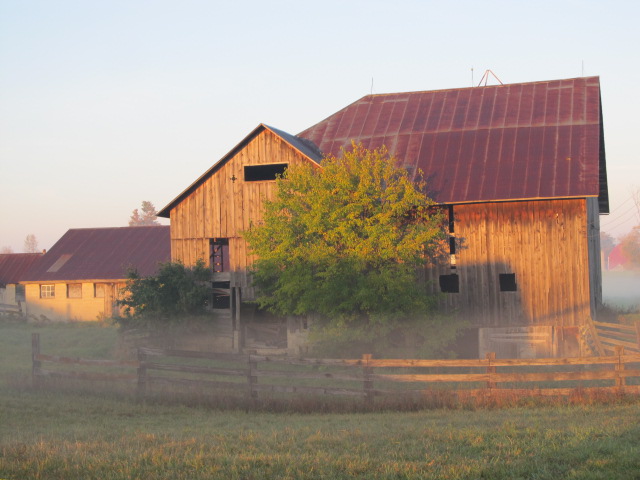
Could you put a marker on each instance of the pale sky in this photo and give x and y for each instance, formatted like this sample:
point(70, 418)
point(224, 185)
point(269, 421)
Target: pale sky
point(104, 104)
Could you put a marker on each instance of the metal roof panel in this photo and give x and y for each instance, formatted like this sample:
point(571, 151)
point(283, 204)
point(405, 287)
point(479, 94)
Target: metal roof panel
point(528, 140)
point(14, 266)
point(103, 254)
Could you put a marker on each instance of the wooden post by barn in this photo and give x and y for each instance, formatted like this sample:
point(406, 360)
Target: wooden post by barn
point(252, 379)
point(236, 301)
point(36, 364)
point(619, 366)
point(491, 369)
point(367, 371)
point(142, 374)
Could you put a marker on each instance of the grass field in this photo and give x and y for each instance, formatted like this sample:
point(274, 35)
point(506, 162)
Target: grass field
point(57, 435)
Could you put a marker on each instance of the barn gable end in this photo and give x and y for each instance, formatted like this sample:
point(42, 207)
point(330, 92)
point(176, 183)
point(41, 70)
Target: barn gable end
point(227, 199)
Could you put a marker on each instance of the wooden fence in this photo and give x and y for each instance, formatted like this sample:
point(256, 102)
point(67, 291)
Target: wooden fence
point(101, 370)
point(10, 308)
point(253, 376)
point(608, 336)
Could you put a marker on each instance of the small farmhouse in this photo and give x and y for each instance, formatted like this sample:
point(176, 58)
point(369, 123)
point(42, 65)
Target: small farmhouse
point(519, 168)
point(13, 267)
point(80, 277)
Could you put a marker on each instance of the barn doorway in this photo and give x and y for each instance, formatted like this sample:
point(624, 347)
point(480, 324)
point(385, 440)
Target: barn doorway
point(220, 267)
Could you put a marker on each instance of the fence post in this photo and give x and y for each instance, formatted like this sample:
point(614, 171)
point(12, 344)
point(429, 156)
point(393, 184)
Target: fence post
point(619, 366)
point(252, 378)
point(36, 364)
point(367, 370)
point(638, 333)
point(491, 370)
point(142, 373)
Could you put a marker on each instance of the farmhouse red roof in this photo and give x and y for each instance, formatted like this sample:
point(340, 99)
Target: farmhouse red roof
point(506, 142)
point(103, 254)
point(13, 266)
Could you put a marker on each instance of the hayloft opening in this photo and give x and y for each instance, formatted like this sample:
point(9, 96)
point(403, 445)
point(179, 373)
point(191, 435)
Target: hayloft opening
point(508, 282)
point(260, 173)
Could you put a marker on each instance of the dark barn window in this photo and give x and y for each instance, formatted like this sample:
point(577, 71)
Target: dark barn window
point(259, 173)
point(508, 282)
point(452, 245)
point(450, 283)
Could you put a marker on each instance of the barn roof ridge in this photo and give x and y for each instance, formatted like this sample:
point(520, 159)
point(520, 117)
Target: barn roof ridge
point(475, 87)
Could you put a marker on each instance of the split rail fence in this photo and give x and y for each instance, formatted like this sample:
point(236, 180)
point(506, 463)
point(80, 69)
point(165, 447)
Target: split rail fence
point(160, 371)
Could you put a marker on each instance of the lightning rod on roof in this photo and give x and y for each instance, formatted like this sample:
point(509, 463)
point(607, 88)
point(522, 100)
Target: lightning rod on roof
point(485, 78)
point(472, 83)
point(371, 85)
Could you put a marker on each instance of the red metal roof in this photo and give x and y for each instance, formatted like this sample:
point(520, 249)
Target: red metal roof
point(506, 142)
point(103, 254)
point(13, 266)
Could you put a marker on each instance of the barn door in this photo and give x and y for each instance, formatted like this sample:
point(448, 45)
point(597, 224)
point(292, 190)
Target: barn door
point(219, 255)
point(220, 265)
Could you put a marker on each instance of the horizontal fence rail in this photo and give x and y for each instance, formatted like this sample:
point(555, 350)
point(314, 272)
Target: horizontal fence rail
point(253, 376)
point(10, 308)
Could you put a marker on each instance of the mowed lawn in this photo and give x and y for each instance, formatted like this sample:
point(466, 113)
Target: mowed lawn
point(66, 436)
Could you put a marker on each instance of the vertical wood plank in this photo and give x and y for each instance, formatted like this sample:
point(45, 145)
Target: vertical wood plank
point(619, 366)
point(491, 356)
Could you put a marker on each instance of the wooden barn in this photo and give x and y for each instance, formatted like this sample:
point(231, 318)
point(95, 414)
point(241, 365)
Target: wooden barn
point(520, 169)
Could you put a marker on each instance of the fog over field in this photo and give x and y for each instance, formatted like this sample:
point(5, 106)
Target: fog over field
point(621, 289)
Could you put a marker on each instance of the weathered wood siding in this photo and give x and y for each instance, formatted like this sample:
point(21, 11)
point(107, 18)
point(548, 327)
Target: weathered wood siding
point(223, 208)
point(545, 243)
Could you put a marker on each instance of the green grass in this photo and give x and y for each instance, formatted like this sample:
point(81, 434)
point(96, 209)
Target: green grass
point(58, 435)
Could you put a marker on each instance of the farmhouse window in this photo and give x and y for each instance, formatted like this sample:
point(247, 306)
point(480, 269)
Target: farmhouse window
point(47, 291)
point(74, 290)
point(450, 283)
point(98, 290)
point(260, 173)
point(508, 282)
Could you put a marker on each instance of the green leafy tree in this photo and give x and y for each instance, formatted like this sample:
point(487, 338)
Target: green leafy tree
point(147, 216)
point(346, 242)
point(175, 293)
